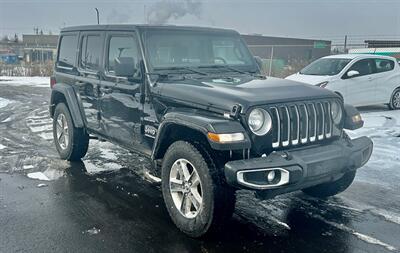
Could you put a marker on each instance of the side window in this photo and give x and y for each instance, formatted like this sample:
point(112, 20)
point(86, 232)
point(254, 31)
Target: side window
point(91, 48)
point(122, 46)
point(67, 51)
point(227, 51)
point(383, 65)
point(364, 67)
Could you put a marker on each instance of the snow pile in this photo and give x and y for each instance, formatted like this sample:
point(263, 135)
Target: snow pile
point(36, 81)
point(4, 102)
point(38, 175)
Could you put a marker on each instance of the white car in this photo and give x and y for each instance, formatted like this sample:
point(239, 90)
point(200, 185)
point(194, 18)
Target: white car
point(360, 79)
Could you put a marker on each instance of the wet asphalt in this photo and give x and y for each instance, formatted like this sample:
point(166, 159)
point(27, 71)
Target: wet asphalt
point(107, 203)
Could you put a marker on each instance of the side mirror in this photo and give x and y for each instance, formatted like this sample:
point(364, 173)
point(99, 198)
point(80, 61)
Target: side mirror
point(124, 66)
point(259, 62)
point(353, 73)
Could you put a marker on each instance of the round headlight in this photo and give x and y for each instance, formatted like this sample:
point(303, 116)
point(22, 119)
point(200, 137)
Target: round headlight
point(259, 121)
point(336, 111)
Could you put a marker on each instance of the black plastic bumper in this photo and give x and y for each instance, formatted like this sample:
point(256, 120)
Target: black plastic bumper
point(306, 167)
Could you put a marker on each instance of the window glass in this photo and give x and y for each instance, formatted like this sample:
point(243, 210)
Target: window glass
point(325, 67)
point(383, 65)
point(91, 52)
point(226, 51)
point(67, 51)
point(169, 49)
point(364, 67)
point(122, 46)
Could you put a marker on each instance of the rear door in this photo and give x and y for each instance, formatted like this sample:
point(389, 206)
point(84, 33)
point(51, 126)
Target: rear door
point(120, 98)
point(88, 80)
point(385, 79)
point(360, 89)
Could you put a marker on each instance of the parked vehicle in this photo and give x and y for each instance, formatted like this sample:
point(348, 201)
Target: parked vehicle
point(193, 101)
point(360, 79)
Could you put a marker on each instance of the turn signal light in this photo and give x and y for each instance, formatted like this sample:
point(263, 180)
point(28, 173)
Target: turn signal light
point(52, 81)
point(224, 138)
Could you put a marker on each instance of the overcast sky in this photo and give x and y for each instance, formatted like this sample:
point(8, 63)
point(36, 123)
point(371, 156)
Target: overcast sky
point(323, 19)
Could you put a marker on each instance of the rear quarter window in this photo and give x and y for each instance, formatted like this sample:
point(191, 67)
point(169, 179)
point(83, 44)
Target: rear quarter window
point(67, 51)
point(383, 65)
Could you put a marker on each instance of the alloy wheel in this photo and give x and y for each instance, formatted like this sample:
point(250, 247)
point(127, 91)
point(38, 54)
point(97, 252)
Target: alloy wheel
point(396, 99)
point(62, 131)
point(185, 188)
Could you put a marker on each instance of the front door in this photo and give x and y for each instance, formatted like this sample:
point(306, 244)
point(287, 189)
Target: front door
point(360, 89)
point(120, 103)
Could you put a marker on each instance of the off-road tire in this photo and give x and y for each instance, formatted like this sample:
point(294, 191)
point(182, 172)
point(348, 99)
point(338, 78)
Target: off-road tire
point(391, 104)
point(78, 138)
point(332, 188)
point(218, 198)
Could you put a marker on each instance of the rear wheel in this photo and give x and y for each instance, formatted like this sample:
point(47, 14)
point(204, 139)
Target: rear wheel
point(395, 100)
point(331, 188)
point(71, 142)
point(195, 194)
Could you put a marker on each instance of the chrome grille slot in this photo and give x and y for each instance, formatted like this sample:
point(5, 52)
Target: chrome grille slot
point(301, 123)
point(294, 124)
point(276, 123)
point(320, 120)
point(285, 126)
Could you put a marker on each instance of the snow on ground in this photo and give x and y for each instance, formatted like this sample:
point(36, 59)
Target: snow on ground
point(36, 81)
point(383, 127)
point(4, 102)
point(38, 175)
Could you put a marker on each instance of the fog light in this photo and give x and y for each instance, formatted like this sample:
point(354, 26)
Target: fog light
point(271, 176)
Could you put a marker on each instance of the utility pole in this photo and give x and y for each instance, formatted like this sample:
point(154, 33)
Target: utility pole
point(345, 44)
point(98, 18)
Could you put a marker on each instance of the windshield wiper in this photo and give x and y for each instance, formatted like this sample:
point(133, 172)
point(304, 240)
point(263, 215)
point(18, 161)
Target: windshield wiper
point(233, 69)
point(225, 67)
point(185, 68)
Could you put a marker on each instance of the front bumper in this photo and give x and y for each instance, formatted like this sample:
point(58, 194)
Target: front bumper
point(301, 168)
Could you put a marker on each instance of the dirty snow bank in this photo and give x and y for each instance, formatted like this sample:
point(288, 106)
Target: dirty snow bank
point(36, 81)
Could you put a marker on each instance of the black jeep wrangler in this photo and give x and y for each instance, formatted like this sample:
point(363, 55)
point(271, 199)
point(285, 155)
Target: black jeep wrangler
point(193, 101)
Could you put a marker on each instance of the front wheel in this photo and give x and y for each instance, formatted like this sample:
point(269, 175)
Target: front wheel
point(71, 142)
point(331, 188)
point(394, 103)
point(195, 194)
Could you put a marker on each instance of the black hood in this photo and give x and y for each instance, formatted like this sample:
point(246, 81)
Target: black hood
point(223, 94)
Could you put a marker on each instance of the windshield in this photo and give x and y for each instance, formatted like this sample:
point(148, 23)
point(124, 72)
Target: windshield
point(325, 67)
point(166, 49)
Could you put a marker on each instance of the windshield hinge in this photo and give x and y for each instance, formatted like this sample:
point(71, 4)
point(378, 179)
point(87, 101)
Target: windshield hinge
point(235, 111)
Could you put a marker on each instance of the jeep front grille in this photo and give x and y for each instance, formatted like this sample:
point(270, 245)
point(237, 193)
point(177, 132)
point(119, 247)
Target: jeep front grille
point(301, 123)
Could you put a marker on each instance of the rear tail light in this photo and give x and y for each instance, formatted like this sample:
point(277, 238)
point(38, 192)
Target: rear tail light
point(52, 81)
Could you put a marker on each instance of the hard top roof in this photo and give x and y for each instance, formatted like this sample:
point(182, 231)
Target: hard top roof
point(131, 27)
point(357, 56)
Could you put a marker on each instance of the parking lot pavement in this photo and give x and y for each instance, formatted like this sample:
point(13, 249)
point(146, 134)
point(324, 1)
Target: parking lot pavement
point(108, 203)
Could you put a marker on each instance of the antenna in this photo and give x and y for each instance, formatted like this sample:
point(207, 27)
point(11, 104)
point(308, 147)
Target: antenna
point(98, 18)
